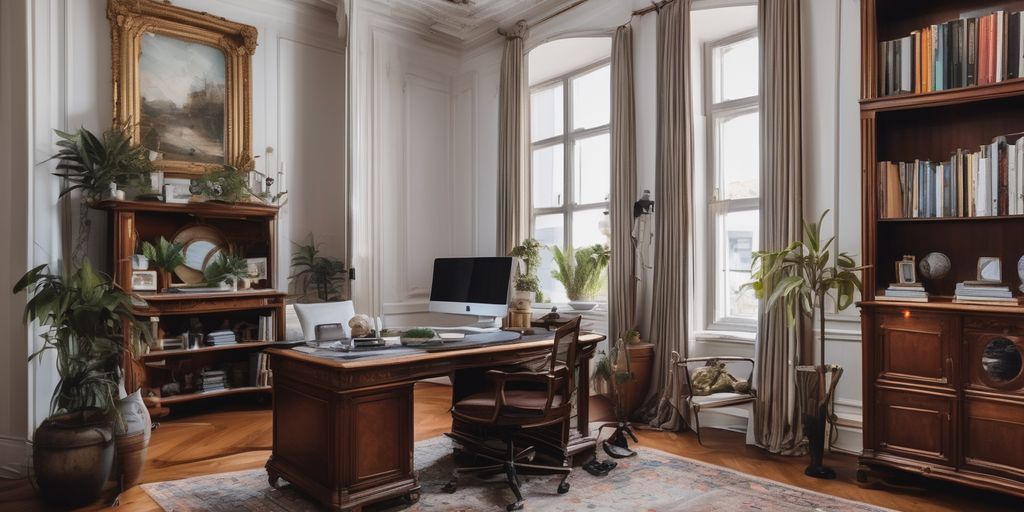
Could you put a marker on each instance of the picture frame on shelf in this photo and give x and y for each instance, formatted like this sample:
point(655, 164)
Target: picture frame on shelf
point(177, 190)
point(906, 270)
point(144, 280)
point(990, 269)
point(257, 268)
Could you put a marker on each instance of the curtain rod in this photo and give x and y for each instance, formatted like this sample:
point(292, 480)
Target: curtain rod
point(655, 6)
point(563, 10)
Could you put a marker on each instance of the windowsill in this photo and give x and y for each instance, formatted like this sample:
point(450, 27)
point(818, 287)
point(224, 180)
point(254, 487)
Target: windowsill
point(738, 337)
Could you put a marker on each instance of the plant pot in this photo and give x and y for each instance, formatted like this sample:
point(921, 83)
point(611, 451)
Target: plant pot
point(522, 300)
point(72, 455)
point(814, 388)
point(165, 280)
point(582, 305)
point(133, 440)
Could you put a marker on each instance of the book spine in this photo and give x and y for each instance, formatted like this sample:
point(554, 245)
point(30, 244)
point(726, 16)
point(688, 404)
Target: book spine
point(971, 43)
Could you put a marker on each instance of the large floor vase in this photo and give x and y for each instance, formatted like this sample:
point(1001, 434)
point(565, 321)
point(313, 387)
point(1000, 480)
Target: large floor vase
point(815, 386)
point(72, 455)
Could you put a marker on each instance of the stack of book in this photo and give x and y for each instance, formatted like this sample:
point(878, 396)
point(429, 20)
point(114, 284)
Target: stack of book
point(984, 292)
point(217, 338)
point(982, 183)
point(970, 51)
point(267, 331)
point(211, 380)
point(904, 292)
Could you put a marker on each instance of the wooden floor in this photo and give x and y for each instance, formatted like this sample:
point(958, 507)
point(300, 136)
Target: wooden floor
point(240, 439)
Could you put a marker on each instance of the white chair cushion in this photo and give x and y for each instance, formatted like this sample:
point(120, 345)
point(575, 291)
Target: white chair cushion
point(718, 397)
point(312, 315)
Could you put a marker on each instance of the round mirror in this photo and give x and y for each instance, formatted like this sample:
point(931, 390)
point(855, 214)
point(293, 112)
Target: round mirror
point(200, 245)
point(1001, 360)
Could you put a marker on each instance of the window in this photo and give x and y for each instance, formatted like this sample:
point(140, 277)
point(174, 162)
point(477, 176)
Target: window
point(731, 90)
point(571, 162)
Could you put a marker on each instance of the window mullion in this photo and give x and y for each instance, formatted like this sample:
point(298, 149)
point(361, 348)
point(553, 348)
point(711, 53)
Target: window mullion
point(567, 164)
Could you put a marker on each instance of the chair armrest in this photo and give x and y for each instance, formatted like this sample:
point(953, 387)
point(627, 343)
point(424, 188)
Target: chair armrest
point(501, 380)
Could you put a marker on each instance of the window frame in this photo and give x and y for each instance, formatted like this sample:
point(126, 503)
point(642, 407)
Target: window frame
point(717, 208)
point(568, 139)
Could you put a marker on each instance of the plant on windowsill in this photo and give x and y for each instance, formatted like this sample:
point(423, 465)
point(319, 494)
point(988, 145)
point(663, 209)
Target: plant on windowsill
point(86, 318)
point(581, 272)
point(315, 273)
point(166, 256)
point(803, 276)
point(527, 285)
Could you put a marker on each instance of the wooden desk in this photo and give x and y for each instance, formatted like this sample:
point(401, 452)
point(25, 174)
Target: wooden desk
point(343, 429)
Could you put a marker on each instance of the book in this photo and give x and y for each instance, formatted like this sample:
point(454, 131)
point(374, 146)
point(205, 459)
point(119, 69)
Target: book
point(986, 302)
point(900, 299)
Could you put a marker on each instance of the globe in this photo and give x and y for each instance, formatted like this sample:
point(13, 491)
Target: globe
point(935, 265)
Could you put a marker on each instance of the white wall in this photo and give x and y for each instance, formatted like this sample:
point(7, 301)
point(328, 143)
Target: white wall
point(55, 73)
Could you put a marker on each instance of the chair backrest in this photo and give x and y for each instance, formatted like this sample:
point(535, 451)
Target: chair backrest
point(563, 352)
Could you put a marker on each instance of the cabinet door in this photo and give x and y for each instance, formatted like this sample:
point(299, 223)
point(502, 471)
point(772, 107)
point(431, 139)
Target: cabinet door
point(916, 348)
point(993, 439)
point(915, 425)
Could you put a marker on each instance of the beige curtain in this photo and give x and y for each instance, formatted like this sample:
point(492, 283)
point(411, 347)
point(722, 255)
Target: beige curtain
point(673, 170)
point(776, 420)
point(621, 283)
point(513, 160)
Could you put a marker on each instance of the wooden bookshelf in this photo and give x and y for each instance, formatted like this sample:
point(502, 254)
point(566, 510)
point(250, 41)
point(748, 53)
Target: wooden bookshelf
point(931, 403)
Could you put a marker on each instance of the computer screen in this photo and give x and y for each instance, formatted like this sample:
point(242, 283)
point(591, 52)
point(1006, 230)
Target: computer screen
point(471, 286)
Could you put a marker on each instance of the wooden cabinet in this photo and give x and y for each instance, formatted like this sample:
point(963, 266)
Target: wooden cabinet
point(943, 385)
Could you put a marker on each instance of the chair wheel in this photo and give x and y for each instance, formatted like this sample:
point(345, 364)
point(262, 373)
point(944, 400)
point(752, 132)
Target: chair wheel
point(450, 488)
point(563, 487)
point(514, 506)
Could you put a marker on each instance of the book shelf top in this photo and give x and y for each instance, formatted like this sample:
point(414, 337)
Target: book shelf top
point(963, 95)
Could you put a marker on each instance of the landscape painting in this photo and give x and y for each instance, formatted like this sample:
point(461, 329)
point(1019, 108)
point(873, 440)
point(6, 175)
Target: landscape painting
point(182, 88)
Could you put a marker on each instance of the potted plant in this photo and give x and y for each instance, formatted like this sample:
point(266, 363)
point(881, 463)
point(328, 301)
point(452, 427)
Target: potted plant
point(86, 317)
point(322, 275)
point(418, 336)
point(581, 272)
point(167, 256)
point(526, 282)
point(226, 184)
point(96, 165)
point(226, 268)
point(803, 276)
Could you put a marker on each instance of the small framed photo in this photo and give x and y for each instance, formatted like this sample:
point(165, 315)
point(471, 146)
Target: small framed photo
point(177, 190)
point(257, 268)
point(990, 269)
point(906, 270)
point(144, 280)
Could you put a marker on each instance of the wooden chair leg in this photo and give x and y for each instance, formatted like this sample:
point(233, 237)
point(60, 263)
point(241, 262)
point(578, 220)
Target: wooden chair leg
point(696, 419)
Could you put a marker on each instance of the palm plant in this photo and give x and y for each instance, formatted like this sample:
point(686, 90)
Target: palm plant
point(225, 267)
point(91, 164)
point(323, 274)
point(580, 271)
point(87, 318)
point(802, 275)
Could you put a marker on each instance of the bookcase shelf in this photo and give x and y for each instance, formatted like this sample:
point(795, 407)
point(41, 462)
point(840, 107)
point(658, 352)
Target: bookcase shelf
point(922, 361)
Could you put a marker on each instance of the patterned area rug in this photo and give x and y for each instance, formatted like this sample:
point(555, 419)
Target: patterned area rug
point(651, 481)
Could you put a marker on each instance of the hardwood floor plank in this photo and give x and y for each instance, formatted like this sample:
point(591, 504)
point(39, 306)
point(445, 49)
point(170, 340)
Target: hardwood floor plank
point(240, 438)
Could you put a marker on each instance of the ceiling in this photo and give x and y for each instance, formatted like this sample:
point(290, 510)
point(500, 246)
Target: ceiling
point(470, 20)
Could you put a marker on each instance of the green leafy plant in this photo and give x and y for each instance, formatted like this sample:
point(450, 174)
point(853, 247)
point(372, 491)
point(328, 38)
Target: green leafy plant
point(419, 333)
point(86, 318)
point(167, 256)
point(226, 183)
point(527, 280)
point(318, 273)
point(225, 267)
point(91, 164)
point(802, 276)
point(581, 270)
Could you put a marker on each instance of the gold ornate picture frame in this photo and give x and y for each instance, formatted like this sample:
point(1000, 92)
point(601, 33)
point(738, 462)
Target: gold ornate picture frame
point(197, 73)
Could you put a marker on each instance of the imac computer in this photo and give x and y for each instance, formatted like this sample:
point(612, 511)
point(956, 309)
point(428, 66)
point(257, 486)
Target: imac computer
point(471, 286)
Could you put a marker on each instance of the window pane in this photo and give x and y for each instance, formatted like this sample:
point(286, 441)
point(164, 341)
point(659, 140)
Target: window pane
point(738, 142)
point(590, 227)
point(548, 189)
point(738, 238)
point(591, 99)
point(736, 70)
point(549, 230)
point(546, 113)
point(591, 169)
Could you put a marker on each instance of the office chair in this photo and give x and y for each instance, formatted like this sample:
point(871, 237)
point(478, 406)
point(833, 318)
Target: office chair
point(697, 402)
point(522, 400)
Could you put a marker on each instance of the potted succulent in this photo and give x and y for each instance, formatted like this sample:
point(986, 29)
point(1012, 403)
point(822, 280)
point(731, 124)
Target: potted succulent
point(418, 336)
point(527, 285)
point(581, 272)
point(226, 268)
point(315, 273)
point(803, 277)
point(86, 318)
point(167, 256)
